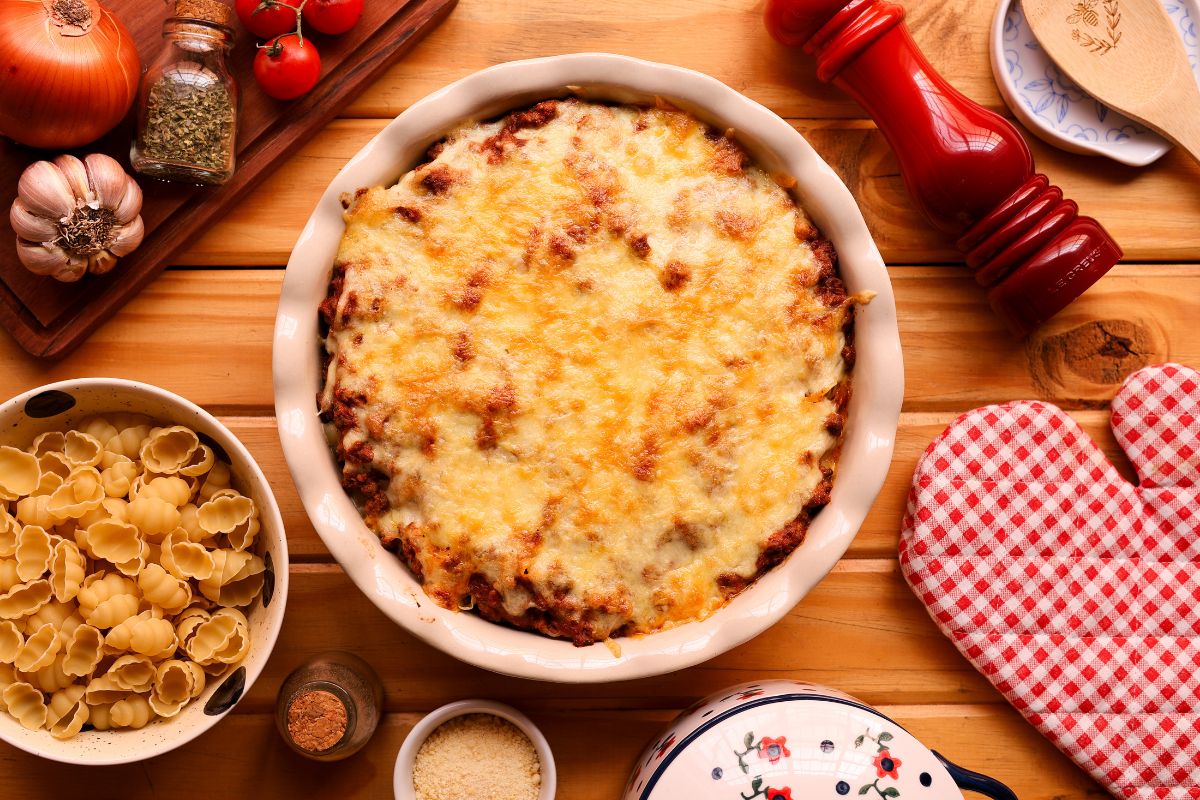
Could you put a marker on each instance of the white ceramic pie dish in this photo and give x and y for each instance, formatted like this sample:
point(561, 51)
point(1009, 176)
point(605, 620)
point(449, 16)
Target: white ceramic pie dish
point(870, 430)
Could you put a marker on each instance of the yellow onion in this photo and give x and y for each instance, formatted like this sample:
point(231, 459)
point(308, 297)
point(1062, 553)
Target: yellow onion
point(73, 217)
point(68, 71)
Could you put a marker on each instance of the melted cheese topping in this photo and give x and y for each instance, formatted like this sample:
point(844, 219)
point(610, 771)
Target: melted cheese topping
point(593, 366)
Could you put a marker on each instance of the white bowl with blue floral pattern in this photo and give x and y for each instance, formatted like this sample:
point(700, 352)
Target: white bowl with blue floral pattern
point(1058, 111)
point(788, 740)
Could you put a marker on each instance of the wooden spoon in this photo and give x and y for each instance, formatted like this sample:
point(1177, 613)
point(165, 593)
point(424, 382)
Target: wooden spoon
point(1128, 55)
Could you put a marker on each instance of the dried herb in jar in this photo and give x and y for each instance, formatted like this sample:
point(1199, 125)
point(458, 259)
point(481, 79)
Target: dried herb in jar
point(189, 118)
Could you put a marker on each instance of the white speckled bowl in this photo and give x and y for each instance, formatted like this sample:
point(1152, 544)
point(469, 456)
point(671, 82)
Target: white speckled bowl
point(1057, 110)
point(402, 776)
point(870, 430)
point(58, 405)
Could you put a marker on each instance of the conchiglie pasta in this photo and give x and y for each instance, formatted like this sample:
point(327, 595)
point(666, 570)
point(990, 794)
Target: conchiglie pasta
point(113, 611)
point(103, 689)
point(97, 427)
point(19, 473)
point(116, 542)
point(164, 590)
point(48, 483)
point(133, 673)
point(185, 559)
point(26, 703)
point(117, 479)
point(51, 677)
point(154, 516)
point(168, 450)
point(48, 442)
point(84, 651)
point(100, 586)
point(171, 489)
point(34, 551)
point(67, 712)
point(80, 493)
point(129, 441)
point(132, 712)
point(176, 680)
point(81, 450)
point(39, 649)
point(35, 510)
point(201, 462)
point(12, 640)
point(24, 599)
point(217, 479)
point(100, 715)
point(67, 568)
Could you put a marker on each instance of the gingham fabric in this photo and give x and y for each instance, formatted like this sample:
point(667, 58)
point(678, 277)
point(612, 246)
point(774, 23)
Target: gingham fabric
point(1074, 592)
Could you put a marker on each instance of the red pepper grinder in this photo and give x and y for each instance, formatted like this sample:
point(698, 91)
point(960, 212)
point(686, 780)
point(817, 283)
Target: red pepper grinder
point(969, 169)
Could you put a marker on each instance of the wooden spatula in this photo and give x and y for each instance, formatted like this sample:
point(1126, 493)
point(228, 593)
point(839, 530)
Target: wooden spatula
point(1128, 55)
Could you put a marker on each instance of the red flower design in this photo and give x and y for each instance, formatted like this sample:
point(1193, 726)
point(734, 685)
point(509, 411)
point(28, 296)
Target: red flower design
point(662, 750)
point(773, 749)
point(887, 765)
point(779, 794)
point(749, 694)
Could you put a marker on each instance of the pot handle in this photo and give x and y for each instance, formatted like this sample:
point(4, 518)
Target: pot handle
point(974, 782)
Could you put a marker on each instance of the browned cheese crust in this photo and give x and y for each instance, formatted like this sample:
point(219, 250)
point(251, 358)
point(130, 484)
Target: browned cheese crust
point(587, 369)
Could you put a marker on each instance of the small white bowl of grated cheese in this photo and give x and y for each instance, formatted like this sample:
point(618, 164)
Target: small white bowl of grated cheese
point(475, 748)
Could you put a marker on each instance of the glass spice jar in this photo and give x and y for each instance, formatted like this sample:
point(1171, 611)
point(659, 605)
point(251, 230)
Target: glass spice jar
point(188, 103)
point(329, 706)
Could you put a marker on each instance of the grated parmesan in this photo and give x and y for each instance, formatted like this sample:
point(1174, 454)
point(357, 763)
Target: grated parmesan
point(477, 757)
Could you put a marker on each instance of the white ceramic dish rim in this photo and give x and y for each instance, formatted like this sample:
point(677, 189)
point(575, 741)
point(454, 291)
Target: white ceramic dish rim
point(1146, 151)
point(402, 775)
point(873, 415)
point(177, 733)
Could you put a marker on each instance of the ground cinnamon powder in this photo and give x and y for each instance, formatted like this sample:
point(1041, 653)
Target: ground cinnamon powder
point(316, 720)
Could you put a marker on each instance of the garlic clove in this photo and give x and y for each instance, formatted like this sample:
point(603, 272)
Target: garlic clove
point(130, 205)
point(100, 263)
point(30, 226)
point(127, 238)
point(41, 259)
point(73, 270)
point(46, 191)
point(108, 179)
point(75, 173)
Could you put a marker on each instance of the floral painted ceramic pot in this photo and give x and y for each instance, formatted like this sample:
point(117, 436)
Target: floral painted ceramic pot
point(786, 740)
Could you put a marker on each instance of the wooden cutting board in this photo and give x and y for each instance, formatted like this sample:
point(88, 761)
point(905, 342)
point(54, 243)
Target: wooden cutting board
point(49, 318)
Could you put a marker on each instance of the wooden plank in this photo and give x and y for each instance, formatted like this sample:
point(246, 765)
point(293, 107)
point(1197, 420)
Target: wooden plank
point(50, 318)
point(876, 539)
point(724, 38)
point(1152, 216)
point(594, 753)
point(860, 629)
point(206, 334)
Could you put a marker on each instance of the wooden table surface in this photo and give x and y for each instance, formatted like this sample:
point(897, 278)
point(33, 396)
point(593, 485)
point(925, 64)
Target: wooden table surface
point(204, 330)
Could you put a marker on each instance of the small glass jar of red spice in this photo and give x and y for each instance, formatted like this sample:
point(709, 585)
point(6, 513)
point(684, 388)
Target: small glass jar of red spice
point(188, 103)
point(329, 707)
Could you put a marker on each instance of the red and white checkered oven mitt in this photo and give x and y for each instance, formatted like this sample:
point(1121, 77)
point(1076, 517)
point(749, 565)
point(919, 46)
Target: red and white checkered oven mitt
point(1076, 593)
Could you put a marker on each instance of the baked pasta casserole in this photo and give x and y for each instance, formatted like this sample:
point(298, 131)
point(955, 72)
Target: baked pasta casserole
point(586, 368)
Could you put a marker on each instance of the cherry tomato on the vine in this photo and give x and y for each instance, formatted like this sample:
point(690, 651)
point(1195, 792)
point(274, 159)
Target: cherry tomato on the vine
point(267, 18)
point(287, 67)
point(332, 16)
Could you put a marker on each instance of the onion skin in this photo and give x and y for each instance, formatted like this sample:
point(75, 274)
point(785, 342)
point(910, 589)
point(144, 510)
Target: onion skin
point(62, 86)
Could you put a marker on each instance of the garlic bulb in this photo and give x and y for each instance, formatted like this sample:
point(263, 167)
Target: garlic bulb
point(73, 217)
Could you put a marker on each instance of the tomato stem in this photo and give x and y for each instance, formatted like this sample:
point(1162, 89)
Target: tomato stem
point(274, 46)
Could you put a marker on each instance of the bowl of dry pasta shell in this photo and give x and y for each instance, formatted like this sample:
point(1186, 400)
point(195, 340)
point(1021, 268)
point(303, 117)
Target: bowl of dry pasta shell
point(143, 571)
